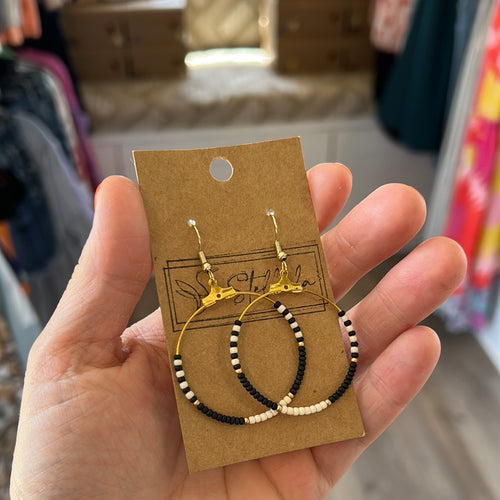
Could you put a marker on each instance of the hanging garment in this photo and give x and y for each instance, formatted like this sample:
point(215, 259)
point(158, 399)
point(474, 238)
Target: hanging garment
point(52, 64)
point(474, 216)
point(413, 101)
point(463, 99)
point(30, 224)
point(25, 89)
point(17, 311)
point(70, 211)
point(390, 23)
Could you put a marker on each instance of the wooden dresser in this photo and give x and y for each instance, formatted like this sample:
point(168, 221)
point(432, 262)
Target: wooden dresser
point(125, 39)
point(323, 35)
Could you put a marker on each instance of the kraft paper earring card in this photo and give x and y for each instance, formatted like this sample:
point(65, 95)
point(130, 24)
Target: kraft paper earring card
point(214, 253)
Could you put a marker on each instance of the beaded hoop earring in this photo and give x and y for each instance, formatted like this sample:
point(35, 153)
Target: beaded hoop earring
point(285, 285)
point(215, 295)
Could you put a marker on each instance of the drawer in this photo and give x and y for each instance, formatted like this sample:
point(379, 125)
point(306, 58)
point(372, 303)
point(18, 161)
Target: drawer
point(155, 27)
point(323, 55)
point(318, 19)
point(102, 64)
point(157, 62)
point(91, 29)
point(324, 18)
point(305, 56)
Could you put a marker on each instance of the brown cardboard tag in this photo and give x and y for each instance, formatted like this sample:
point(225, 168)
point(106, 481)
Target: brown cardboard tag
point(238, 240)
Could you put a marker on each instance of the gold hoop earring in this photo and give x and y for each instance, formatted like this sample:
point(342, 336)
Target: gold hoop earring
point(286, 285)
point(215, 295)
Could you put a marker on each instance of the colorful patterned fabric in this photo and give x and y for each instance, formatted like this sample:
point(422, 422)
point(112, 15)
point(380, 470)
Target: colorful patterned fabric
point(474, 218)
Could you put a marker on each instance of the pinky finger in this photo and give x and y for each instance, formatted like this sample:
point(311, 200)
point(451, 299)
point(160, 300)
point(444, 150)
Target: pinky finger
point(384, 390)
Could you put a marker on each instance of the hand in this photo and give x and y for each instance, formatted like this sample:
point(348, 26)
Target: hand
point(98, 416)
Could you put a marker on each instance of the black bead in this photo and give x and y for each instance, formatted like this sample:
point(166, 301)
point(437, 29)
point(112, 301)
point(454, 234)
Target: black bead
point(237, 367)
point(178, 368)
point(292, 391)
point(341, 313)
point(353, 364)
point(348, 322)
point(299, 339)
point(296, 329)
point(253, 391)
point(181, 379)
point(291, 320)
point(233, 344)
point(277, 304)
point(235, 333)
point(352, 334)
point(218, 417)
point(345, 385)
point(193, 399)
point(302, 348)
point(200, 406)
point(296, 386)
point(210, 413)
point(285, 312)
point(275, 406)
point(241, 376)
point(205, 410)
point(232, 420)
point(269, 404)
point(237, 322)
point(246, 383)
point(234, 355)
point(355, 355)
point(186, 389)
point(177, 356)
point(354, 344)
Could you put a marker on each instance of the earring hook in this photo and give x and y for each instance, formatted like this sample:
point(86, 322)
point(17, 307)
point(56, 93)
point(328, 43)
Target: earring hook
point(216, 293)
point(279, 251)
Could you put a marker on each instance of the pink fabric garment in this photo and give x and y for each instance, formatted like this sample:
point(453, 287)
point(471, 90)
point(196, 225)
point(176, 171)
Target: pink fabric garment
point(390, 24)
point(85, 153)
point(474, 216)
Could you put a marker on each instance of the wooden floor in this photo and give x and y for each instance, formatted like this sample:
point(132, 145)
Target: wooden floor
point(446, 445)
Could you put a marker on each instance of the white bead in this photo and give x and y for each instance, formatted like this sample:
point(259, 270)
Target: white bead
point(257, 419)
point(318, 407)
point(287, 400)
point(298, 334)
point(236, 328)
point(251, 419)
point(263, 417)
point(323, 405)
point(354, 360)
point(289, 411)
point(180, 373)
point(354, 349)
point(281, 308)
point(294, 325)
point(271, 413)
point(295, 412)
point(233, 350)
point(234, 338)
point(177, 362)
point(302, 411)
point(183, 385)
point(353, 338)
point(313, 408)
point(307, 410)
point(349, 328)
point(190, 394)
point(288, 316)
point(235, 361)
point(191, 222)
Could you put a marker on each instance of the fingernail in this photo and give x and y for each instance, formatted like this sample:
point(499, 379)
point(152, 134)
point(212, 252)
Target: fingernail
point(96, 196)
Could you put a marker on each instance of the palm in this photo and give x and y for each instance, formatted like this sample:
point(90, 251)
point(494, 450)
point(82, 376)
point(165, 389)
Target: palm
point(99, 418)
